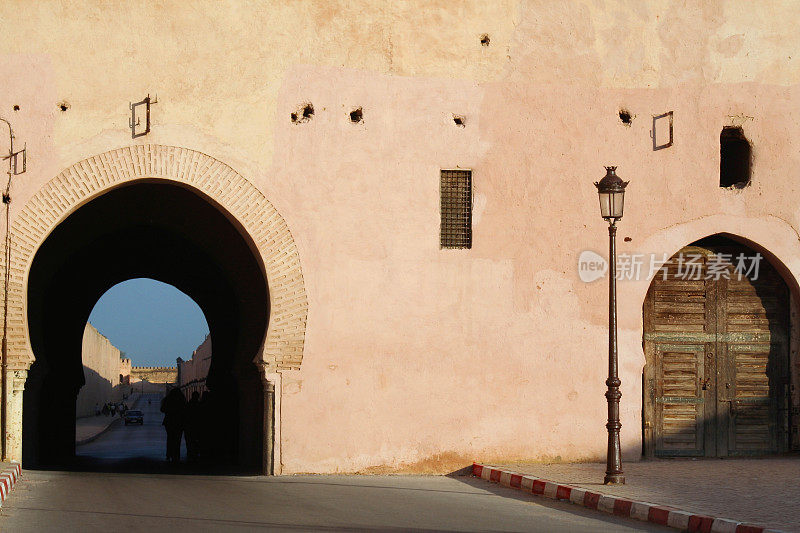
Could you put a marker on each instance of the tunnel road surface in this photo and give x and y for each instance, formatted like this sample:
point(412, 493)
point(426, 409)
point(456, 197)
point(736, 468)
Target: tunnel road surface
point(131, 448)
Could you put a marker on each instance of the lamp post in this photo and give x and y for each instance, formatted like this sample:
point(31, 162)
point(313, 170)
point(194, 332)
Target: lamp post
point(611, 190)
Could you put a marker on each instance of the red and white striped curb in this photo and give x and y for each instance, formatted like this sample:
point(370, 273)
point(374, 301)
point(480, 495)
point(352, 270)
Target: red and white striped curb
point(8, 476)
point(658, 514)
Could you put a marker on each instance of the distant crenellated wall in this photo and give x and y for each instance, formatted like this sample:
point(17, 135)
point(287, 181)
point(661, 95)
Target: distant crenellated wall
point(154, 374)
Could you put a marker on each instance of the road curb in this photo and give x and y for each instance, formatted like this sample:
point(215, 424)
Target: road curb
point(9, 475)
point(87, 440)
point(648, 512)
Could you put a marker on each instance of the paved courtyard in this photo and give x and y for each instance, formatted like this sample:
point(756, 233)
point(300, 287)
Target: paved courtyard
point(764, 491)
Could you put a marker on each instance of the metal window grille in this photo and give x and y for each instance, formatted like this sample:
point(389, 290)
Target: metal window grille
point(456, 197)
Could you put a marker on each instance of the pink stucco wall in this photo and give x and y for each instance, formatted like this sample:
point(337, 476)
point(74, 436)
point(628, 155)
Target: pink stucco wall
point(102, 366)
point(415, 357)
point(193, 371)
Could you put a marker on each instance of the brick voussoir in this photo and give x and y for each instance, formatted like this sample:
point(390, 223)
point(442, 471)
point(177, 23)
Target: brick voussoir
point(9, 475)
point(647, 512)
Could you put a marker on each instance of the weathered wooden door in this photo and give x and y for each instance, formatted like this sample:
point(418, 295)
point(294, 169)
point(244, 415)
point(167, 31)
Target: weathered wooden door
point(716, 339)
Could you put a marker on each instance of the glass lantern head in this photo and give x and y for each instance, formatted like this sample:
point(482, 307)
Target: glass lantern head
point(611, 190)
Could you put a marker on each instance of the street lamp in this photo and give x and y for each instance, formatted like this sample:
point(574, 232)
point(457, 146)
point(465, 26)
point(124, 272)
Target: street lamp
point(611, 190)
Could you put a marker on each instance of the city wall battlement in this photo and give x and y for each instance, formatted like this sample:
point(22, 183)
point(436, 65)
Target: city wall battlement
point(154, 374)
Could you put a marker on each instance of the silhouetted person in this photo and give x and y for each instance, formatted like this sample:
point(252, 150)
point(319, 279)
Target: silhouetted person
point(206, 428)
point(223, 417)
point(194, 421)
point(174, 408)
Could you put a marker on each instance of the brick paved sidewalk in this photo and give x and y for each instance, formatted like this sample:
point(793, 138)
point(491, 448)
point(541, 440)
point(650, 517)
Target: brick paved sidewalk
point(763, 491)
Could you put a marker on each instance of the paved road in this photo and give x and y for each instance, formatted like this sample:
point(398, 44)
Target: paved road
point(101, 495)
point(101, 501)
point(130, 448)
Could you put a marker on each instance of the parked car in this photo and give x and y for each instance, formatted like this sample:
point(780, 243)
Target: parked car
point(134, 416)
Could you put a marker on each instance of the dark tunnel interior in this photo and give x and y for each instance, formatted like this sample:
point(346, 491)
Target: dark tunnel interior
point(146, 229)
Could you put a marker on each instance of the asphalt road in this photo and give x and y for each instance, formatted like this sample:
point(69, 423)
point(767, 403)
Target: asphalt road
point(101, 494)
point(101, 501)
point(131, 448)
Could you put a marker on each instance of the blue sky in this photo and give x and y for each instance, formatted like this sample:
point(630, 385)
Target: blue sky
point(152, 322)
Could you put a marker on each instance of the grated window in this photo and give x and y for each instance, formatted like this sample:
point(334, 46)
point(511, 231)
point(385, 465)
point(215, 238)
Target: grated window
point(456, 196)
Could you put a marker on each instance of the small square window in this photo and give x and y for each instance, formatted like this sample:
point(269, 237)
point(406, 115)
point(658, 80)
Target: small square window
point(735, 158)
point(455, 190)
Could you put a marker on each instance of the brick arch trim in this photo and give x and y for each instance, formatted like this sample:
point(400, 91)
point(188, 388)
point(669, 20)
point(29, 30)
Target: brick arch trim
point(90, 178)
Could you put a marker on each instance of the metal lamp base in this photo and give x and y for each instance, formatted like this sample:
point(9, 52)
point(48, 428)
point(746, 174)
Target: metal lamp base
point(614, 479)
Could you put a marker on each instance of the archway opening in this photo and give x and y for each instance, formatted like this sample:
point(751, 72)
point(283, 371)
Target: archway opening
point(166, 232)
point(717, 343)
point(137, 331)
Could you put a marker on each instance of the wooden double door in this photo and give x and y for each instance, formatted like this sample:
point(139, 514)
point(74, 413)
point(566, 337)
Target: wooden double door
point(716, 339)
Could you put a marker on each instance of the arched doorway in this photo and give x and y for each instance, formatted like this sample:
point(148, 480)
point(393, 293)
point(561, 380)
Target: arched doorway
point(243, 205)
point(716, 342)
point(164, 231)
